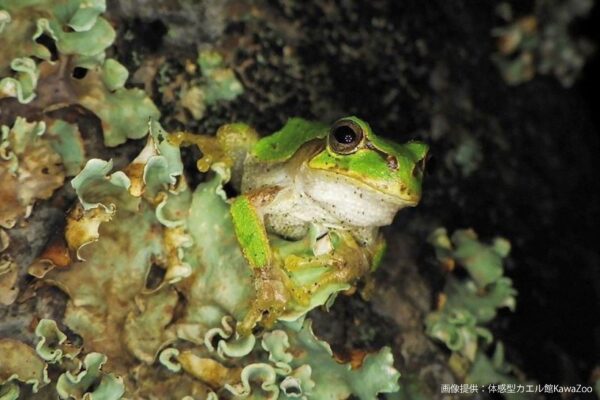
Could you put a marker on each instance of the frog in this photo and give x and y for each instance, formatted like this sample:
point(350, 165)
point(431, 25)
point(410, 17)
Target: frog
point(326, 188)
point(312, 197)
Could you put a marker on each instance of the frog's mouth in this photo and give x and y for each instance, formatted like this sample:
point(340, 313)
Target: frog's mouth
point(393, 192)
point(374, 171)
point(398, 194)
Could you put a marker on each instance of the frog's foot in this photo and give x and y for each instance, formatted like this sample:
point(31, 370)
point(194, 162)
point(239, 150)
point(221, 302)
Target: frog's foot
point(272, 295)
point(337, 271)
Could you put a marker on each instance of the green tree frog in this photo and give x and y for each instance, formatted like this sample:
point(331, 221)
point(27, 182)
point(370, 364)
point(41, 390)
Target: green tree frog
point(331, 185)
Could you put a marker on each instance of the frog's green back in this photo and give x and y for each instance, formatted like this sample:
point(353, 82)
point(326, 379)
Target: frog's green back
point(283, 144)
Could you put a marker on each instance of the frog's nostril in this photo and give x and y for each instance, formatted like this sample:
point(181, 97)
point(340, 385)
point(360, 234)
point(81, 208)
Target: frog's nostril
point(392, 162)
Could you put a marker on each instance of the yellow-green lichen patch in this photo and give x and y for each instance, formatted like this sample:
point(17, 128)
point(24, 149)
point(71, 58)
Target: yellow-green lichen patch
point(159, 383)
point(220, 83)
point(34, 161)
point(220, 283)
point(104, 287)
point(23, 82)
point(229, 343)
point(146, 331)
point(466, 304)
point(483, 262)
point(294, 363)
point(374, 375)
point(486, 369)
point(66, 141)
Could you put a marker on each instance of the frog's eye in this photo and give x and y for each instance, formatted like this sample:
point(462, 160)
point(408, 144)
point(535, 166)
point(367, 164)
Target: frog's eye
point(345, 136)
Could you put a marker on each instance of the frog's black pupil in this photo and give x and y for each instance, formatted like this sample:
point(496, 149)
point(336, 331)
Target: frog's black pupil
point(344, 135)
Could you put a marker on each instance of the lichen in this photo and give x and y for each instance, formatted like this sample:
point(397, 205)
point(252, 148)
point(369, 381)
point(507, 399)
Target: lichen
point(76, 29)
point(30, 170)
point(20, 363)
point(55, 369)
point(541, 43)
point(53, 345)
point(288, 362)
point(467, 304)
point(9, 274)
point(53, 56)
point(34, 161)
point(91, 383)
point(201, 84)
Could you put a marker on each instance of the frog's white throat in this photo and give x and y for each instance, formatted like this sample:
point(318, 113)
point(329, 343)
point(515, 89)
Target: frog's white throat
point(346, 201)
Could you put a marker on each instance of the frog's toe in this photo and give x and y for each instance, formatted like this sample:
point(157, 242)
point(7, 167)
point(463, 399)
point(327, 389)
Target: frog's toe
point(270, 302)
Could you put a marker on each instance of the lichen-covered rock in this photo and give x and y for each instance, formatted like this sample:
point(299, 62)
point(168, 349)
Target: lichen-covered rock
point(53, 56)
point(76, 29)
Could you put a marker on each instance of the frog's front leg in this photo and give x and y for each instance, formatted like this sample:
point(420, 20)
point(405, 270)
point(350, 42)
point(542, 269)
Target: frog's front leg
point(250, 230)
point(269, 280)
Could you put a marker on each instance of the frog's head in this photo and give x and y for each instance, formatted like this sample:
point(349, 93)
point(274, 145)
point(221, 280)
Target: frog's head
point(355, 152)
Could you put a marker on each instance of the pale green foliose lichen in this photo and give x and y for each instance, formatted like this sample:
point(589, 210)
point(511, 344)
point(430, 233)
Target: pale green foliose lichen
point(53, 345)
point(221, 83)
point(205, 83)
point(54, 369)
point(91, 383)
point(9, 274)
point(467, 305)
point(34, 160)
point(290, 362)
point(34, 75)
point(75, 27)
